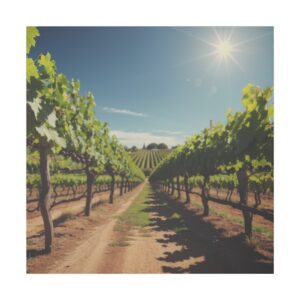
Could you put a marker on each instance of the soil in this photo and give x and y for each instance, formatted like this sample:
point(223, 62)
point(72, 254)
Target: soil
point(266, 200)
point(257, 220)
point(178, 240)
point(34, 219)
point(73, 230)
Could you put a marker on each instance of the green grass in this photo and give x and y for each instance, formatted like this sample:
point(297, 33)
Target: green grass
point(179, 223)
point(119, 244)
point(135, 216)
point(265, 231)
point(175, 216)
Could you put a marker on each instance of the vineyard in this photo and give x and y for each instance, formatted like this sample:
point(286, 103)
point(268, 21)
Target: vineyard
point(147, 160)
point(62, 133)
point(205, 206)
point(236, 156)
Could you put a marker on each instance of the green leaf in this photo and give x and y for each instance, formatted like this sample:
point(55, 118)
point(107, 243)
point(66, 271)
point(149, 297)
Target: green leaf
point(271, 112)
point(45, 111)
point(229, 112)
point(35, 106)
point(62, 80)
point(51, 135)
point(247, 158)
point(267, 93)
point(52, 119)
point(249, 103)
point(238, 165)
point(48, 64)
point(248, 89)
point(75, 86)
point(31, 69)
point(32, 33)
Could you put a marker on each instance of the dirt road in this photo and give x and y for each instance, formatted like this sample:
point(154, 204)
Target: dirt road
point(98, 254)
point(177, 240)
point(90, 254)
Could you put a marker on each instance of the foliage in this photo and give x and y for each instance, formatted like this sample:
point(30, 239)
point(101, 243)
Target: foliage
point(147, 160)
point(218, 153)
point(162, 146)
point(64, 122)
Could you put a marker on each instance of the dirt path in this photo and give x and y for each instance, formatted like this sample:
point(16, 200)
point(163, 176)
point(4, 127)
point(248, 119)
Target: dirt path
point(145, 255)
point(97, 253)
point(87, 257)
point(178, 240)
point(148, 248)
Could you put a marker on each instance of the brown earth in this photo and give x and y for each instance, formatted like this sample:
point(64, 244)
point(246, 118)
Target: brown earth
point(34, 219)
point(232, 212)
point(63, 198)
point(266, 200)
point(180, 240)
point(177, 240)
point(72, 230)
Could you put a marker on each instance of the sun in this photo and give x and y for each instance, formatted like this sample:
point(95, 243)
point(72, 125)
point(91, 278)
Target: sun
point(224, 49)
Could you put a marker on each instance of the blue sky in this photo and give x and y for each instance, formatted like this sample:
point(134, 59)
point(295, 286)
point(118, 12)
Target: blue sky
point(161, 84)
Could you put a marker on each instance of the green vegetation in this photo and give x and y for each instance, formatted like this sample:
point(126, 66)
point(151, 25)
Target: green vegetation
point(180, 223)
point(61, 123)
point(120, 243)
point(242, 149)
point(156, 146)
point(236, 219)
point(136, 215)
point(148, 160)
point(69, 147)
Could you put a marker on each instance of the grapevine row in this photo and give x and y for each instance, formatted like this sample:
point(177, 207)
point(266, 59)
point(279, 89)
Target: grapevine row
point(149, 159)
point(61, 121)
point(238, 155)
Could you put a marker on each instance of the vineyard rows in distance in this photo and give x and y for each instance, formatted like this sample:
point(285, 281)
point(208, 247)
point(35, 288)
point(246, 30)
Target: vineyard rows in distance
point(225, 171)
point(147, 160)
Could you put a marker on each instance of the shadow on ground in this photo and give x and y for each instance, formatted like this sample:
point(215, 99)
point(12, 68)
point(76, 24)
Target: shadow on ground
point(197, 238)
point(35, 252)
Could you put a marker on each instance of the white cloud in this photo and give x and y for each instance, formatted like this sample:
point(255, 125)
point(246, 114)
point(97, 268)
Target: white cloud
point(168, 132)
point(130, 138)
point(124, 112)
